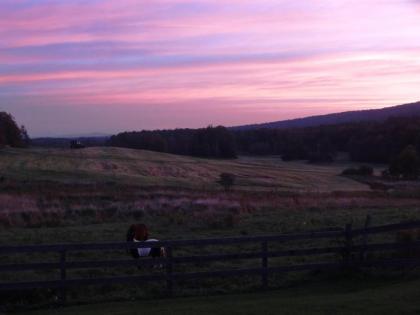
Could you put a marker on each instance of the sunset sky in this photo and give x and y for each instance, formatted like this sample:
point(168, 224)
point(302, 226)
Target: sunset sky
point(74, 67)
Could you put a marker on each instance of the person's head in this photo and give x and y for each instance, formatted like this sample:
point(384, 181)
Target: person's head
point(138, 232)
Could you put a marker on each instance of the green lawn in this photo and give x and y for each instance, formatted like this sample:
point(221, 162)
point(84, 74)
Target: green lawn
point(338, 297)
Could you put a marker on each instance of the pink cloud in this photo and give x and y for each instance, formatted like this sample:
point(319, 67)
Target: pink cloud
point(255, 57)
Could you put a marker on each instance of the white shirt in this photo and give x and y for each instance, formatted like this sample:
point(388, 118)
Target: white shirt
point(145, 251)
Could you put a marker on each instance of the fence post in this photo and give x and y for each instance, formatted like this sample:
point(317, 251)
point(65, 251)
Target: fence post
point(264, 265)
point(169, 278)
point(348, 245)
point(62, 296)
point(365, 238)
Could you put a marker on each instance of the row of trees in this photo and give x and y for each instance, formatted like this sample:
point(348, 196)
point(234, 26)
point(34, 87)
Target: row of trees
point(10, 133)
point(377, 142)
point(215, 142)
point(369, 142)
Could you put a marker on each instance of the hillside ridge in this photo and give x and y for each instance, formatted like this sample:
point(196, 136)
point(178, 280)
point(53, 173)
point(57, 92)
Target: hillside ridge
point(410, 109)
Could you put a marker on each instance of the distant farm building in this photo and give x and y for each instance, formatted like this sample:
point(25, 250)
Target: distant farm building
point(76, 144)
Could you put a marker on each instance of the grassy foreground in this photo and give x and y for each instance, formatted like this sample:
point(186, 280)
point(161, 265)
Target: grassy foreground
point(93, 195)
point(334, 298)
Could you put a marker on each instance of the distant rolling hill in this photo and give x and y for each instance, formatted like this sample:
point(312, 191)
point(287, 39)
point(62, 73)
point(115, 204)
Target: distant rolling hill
point(412, 109)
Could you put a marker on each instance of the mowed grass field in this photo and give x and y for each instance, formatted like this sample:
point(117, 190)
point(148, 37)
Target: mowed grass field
point(145, 168)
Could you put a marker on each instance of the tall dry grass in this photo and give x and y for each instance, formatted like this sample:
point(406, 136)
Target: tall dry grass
point(34, 204)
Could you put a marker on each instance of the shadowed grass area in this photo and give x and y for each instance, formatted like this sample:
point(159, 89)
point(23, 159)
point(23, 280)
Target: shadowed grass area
point(336, 297)
point(165, 227)
point(143, 168)
point(183, 225)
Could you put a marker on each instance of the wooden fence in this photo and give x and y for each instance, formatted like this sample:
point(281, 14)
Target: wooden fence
point(353, 255)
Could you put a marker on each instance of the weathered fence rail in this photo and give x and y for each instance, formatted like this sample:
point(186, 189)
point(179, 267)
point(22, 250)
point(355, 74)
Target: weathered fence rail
point(346, 237)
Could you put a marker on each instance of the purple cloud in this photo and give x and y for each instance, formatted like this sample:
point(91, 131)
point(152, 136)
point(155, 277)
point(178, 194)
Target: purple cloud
point(232, 62)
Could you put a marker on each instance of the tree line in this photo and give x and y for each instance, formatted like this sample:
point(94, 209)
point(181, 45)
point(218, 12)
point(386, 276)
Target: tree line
point(10, 133)
point(373, 142)
point(368, 142)
point(214, 142)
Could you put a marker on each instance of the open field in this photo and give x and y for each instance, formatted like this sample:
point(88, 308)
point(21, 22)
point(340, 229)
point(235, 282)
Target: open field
point(146, 168)
point(93, 195)
point(52, 186)
point(334, 297)
point(63, 187)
